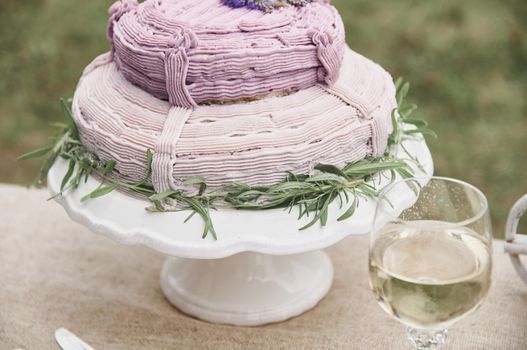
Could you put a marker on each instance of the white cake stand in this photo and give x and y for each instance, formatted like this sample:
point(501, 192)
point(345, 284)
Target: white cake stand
point(261, 269)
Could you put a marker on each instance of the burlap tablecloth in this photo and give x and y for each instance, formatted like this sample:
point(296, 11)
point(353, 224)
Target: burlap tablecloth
point(54, 272)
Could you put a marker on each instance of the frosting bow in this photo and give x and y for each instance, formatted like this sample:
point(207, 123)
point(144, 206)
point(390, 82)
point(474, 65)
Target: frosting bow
point(328, 55)
point(176, 68)
point(116, 11)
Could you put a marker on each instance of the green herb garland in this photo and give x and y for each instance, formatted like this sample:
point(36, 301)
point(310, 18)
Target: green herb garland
point(312, 195)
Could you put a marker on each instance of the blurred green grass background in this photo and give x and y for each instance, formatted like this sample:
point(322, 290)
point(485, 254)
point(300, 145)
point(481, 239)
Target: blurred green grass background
point(467, 61)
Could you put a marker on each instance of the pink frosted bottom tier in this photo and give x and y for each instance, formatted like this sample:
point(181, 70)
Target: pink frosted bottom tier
point(252, 142)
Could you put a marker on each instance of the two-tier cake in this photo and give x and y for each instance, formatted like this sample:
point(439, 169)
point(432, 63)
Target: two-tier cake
point(230, 94)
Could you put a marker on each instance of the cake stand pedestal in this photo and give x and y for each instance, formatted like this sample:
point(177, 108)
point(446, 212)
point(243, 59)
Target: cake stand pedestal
point(262, 269)
point(247, 288)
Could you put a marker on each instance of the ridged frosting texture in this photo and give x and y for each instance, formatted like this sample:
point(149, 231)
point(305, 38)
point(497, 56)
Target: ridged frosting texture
point(255, 142)
point(190, 52)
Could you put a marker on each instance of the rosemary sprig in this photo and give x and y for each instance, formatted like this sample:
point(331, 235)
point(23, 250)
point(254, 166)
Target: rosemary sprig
point(401, 116)
point(311, 195)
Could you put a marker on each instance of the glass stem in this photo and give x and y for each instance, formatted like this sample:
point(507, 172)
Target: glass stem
point(424, 339)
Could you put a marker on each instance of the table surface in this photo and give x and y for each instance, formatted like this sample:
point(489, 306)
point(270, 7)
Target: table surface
point(55, 273)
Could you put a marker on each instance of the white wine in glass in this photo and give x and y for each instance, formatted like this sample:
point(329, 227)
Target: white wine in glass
point(430, 265)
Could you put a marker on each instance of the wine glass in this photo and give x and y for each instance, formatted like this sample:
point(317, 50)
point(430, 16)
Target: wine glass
point(430, 264)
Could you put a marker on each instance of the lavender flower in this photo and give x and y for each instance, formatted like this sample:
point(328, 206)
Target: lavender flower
point(264, 5)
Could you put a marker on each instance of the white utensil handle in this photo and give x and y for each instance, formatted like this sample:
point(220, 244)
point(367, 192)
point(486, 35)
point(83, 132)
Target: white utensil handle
point(516, 244)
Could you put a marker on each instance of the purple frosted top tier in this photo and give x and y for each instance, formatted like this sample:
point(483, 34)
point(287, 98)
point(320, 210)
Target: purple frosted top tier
point(190, 52)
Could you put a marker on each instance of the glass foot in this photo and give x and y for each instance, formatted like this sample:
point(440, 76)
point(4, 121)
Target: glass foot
point(426, 339)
